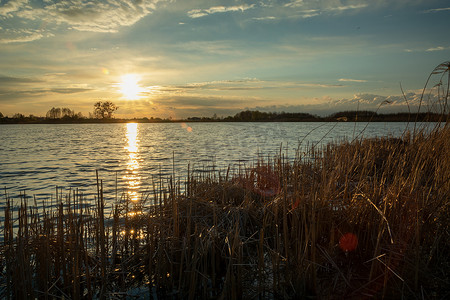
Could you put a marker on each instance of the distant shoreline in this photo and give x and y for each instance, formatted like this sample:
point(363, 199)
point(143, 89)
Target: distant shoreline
point(247, 116)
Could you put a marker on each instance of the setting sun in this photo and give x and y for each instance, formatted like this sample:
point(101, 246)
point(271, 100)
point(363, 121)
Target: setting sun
point(130, 88)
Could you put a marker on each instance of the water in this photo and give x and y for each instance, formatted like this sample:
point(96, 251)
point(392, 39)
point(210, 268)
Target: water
point(37, 158)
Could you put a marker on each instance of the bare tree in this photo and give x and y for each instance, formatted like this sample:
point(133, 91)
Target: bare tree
point(54, 113)
point(67, 112)
point(63, 113)
point(104, 110)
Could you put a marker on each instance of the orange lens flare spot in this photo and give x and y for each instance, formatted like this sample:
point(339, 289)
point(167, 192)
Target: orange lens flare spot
point(348, 242)
point(185, 126)
point(295, 205)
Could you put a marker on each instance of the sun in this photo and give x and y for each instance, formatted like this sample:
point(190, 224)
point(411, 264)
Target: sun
point(130, 88)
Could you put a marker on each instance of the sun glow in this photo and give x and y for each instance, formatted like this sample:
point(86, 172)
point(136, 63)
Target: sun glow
point(130, 88)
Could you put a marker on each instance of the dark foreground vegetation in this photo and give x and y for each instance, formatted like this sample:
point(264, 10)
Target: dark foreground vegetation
point(363, 219)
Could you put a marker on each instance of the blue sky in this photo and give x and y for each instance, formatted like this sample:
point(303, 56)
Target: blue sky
point(198, 58)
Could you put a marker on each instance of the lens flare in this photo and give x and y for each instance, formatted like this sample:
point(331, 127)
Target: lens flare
point(348, 242)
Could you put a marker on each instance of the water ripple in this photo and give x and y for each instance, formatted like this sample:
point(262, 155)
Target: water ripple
point(37, 158)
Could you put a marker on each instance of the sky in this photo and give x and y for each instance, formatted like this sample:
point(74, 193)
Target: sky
point(185, 58)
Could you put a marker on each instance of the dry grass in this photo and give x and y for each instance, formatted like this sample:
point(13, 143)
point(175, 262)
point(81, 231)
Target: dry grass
point(273, 231)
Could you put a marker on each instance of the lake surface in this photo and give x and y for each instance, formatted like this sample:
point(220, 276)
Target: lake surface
point(37, 158)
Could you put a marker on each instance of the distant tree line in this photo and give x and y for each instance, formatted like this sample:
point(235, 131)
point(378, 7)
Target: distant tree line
point(63, 113)
point(104, 112)
point(344, 116)
point(249, 116)
point(371, 116)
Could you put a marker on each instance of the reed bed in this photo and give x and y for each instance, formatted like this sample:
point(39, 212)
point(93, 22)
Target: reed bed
point(363, 219)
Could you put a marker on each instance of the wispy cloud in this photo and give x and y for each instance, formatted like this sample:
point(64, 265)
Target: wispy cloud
point(310, 9)
point(198, 13)
point(347, 7)
point(82, 15)
point(41, 92)
point(245, 84)
point(431, 49)
point(296, 3)
point(12, 6)
point(326, 105)
point(14, 80)
point(23, 38)
point(440, 48)
point(13, 87)
point(221, 47)
point(351, 80)
point(321, 85)
point(69, 90)
point(373, 101)
point(265, 18)
point(434, 10)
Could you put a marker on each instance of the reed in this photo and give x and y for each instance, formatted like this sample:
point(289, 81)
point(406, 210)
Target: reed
point(361, 219)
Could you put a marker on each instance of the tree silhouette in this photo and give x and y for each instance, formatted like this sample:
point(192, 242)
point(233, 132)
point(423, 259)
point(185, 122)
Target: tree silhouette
point(58, 113)
point(54, 113)
point(18, 116)
point(104, 110)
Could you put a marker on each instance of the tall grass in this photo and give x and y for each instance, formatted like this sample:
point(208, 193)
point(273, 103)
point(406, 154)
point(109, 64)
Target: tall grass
point(279, 229)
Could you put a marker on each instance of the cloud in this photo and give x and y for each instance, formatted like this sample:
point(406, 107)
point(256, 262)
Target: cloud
point(245, 84)
point(265, 18)
point(223, 85)
point(347, 7)
point(321, 85)
point(390, 102)
point(314, 8)
point(39, 92)
point(435, 49)
point(12, 6)
point(185, 101)
point(303, 9)
point(84, 15)
point(23, 87)
point(384, 104)
point(198, 13)
point(310, 14)
point(68, 90)
point(15, 80)
point(296, 3)
point(352, 80)
point(23, 38)
point(434, 10)
point(431, 49)
point(219, 47)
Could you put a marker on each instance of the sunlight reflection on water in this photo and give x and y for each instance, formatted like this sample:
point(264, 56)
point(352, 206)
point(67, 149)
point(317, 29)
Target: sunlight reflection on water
point(36, 158)
point(132, 173)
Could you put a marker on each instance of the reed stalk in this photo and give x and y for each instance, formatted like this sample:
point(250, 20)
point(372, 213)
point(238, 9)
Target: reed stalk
point(279, 229)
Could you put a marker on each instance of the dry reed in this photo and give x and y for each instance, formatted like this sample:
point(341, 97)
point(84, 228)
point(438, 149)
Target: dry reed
point(276, 230)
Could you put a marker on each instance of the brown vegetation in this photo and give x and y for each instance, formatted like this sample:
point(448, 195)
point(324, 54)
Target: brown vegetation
point(368, 218)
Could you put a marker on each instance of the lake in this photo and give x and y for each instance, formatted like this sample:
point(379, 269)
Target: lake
point(36, 158)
